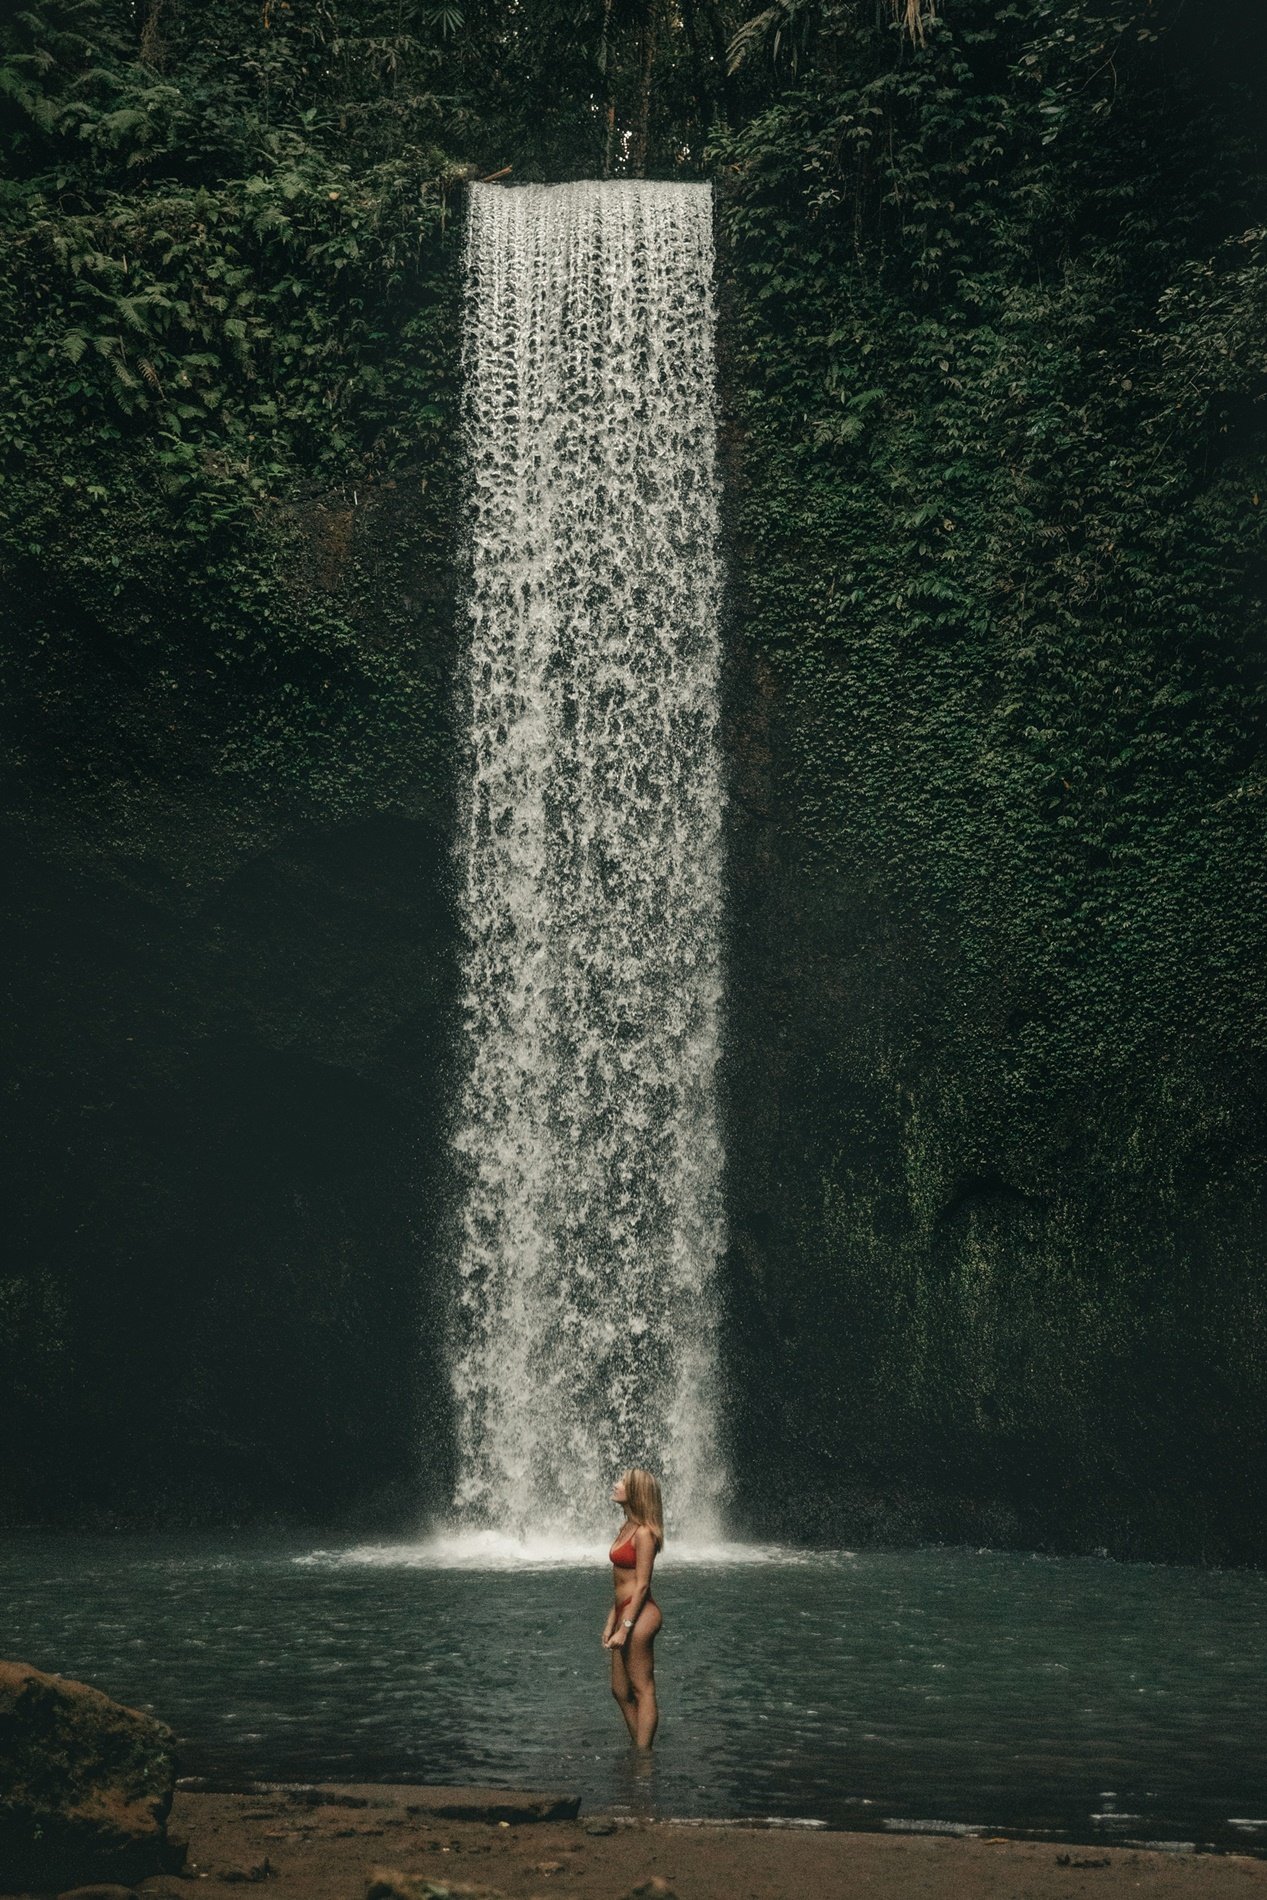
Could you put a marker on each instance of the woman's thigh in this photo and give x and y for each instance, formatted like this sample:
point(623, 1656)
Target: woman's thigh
point(640, 1661)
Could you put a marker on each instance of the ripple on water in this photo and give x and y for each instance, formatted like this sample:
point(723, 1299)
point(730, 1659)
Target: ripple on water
point(794, 1684)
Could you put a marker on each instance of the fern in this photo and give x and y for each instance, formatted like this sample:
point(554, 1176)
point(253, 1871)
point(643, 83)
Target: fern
point(749, 37)
point(115, 126)
point(128, 309)
point(448, 19)
point(787, 28)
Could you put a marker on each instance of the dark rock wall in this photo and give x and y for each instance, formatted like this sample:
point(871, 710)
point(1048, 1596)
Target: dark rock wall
point(995, 1081)
point(994, 412)
point(227, 1184)
point(230, 1069)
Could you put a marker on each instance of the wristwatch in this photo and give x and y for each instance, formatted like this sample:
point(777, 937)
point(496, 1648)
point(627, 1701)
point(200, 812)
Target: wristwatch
point(627, 1622)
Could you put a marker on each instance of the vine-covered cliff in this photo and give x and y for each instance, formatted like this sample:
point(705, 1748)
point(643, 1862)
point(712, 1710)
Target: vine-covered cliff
point(999, 887)
point(992, 365)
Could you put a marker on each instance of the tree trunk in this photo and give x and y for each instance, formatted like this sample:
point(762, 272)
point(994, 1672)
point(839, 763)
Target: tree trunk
point(608, 64)
point(717, 33)
point(149, 47)
point(644, 90)
point(703, 91)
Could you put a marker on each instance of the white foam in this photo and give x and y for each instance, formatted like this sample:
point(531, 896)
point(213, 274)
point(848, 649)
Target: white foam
point(771, 1821)
point(492, 1550)
point(963, 1830)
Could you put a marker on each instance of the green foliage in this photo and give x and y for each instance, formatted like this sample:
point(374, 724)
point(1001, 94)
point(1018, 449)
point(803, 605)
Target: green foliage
point(231, 331)
point(1000, 401)
point(1007, 445)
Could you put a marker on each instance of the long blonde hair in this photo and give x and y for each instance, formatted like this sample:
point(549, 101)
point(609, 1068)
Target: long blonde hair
point(643, 1503)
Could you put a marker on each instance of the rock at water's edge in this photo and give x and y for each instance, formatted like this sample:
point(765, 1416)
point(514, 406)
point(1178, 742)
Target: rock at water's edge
point(100, 1890)
point(87, 1784)
point(386, 1883)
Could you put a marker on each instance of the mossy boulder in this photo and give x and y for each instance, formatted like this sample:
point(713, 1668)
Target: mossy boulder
point(88, 1784)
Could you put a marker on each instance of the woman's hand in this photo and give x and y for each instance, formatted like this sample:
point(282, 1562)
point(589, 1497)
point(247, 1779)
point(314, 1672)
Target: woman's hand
point(617, 1638)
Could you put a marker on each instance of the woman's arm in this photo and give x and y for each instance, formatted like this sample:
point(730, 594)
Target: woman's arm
point(644, 1549)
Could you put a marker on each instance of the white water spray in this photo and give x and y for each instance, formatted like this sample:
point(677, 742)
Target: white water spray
point(591, 860)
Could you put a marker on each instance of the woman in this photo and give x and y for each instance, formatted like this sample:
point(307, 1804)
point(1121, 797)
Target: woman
point(634, 1618)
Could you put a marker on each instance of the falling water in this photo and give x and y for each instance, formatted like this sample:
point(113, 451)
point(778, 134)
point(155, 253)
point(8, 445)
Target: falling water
point(591, 858)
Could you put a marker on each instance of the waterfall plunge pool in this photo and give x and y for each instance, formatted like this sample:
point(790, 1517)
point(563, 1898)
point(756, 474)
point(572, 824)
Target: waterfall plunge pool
point(1083, 1700)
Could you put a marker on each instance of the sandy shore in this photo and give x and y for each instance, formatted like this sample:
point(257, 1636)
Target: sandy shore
point(323, 1845)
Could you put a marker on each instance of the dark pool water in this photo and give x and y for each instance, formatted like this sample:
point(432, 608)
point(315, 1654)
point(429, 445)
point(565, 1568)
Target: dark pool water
point(1092, 1701)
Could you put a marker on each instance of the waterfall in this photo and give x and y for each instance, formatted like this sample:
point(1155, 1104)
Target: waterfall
point(591, 874)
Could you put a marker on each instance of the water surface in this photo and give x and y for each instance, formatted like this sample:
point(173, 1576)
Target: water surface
point(1088, 1700)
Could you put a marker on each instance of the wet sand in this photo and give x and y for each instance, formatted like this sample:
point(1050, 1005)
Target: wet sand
point(324, 1844)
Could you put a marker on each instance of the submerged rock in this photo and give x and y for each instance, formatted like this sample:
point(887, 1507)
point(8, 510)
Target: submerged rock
point(99, 1890)
point(387, 1883)
point(87, 1786)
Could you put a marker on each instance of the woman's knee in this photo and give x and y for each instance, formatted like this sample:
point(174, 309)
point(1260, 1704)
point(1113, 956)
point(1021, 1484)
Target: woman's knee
point(642, 1681)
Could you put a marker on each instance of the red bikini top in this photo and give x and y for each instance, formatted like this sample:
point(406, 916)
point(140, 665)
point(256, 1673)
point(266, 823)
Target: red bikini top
point(625, 1556)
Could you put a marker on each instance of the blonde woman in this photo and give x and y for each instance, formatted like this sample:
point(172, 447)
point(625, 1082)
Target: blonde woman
point(635, 1617)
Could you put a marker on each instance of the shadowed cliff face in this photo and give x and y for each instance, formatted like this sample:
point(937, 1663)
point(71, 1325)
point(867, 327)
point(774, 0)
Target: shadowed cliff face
point(971, 1297)
point(233, 972)
point(962, 1308)
point(995, 1078)
point(230, 1181)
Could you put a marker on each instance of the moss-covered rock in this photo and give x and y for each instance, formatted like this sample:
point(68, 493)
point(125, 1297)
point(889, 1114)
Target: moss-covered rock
point(88, 1784)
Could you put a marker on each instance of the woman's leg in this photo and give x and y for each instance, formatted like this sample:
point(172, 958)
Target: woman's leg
point(640, 1670)
point(622, 1689)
